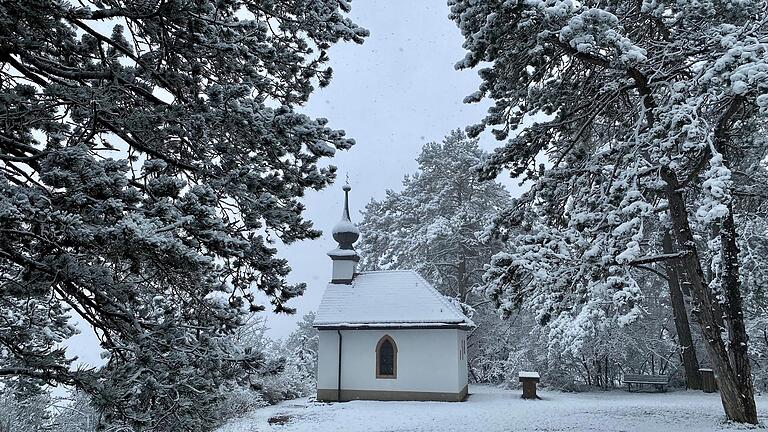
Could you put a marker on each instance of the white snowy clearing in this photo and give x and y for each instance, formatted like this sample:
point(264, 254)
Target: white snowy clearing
point(490, 409)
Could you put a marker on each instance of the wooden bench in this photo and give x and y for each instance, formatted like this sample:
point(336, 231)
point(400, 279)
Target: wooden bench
point(658, 381)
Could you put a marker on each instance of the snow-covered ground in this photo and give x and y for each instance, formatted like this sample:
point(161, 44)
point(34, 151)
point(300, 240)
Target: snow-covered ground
point(489, 410)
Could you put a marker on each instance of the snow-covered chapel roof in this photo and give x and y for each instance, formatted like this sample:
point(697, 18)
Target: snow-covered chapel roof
point(392, 298)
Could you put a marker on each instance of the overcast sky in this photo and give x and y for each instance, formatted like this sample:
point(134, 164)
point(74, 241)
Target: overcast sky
point(393, 94)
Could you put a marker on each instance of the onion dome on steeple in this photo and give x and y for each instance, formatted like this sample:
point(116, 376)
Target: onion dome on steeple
point(345, 257)
point(345, 232)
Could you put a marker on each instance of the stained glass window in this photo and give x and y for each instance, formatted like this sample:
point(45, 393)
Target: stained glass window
point(386, 358)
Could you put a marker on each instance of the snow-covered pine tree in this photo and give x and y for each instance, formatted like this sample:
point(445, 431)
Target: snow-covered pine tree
point(752, 223)
point(75, 413)
point(24, 406)
point(435, 224)
point(302, 346)
point(650, 103)
point(150, 153)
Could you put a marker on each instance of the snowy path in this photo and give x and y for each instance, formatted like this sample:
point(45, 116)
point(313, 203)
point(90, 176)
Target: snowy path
point(493, 410)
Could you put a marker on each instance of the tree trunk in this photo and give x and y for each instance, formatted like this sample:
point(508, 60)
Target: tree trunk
point(684, 338)
point(598, 372)
point(719, 314)
point(586, 368)
point(462, 278)
point(734, 314)
point(733, 379)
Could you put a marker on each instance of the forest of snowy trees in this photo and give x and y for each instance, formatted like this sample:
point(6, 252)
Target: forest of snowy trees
point(132, 200)
point(450, 226)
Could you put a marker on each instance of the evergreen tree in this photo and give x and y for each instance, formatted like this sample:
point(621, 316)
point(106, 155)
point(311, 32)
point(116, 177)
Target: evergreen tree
point(75, 413)
point(150, 152)
point(435, 225)
point(654, 112)
point(753, 236)
point(302, 346)
point(24, 406)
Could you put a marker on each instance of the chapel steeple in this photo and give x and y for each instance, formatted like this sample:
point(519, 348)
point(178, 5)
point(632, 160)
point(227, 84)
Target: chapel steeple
point(344, 257)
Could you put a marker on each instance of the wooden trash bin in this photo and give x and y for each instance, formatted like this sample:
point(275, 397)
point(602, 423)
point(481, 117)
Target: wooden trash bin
point(708, 382)
point(529, 380)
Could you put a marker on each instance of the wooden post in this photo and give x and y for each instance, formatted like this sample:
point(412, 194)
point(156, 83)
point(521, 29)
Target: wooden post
point(708, 383)
point(680, 314)
point(529, 380)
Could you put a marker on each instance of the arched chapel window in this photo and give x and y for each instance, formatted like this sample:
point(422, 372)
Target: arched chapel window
point(386, 358)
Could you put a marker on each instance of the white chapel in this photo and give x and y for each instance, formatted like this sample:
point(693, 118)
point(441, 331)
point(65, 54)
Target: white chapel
point(386, 335)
